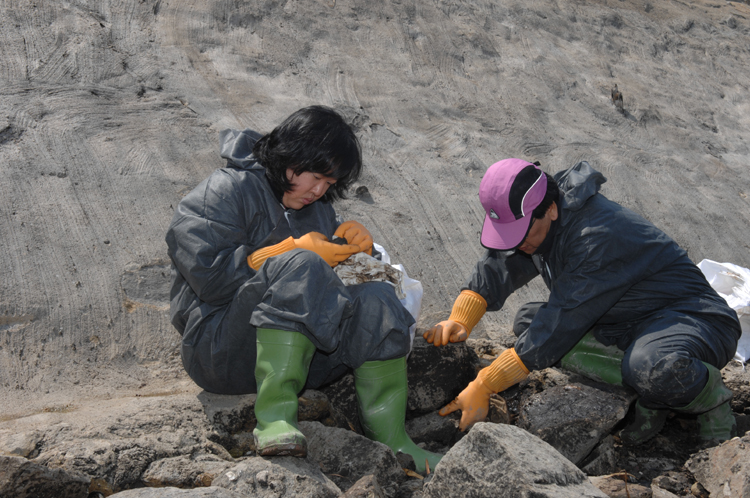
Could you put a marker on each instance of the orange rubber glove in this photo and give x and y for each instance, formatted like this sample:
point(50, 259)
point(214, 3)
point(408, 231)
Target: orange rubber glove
point(507, 370)
point(333, 254)
point(467, 311)
point(355, 233)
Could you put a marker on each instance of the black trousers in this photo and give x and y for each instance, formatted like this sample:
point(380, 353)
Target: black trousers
point(297, 291)
point(663, 362)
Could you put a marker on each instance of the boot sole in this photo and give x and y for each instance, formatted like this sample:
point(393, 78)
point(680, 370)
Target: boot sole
point(290, 449)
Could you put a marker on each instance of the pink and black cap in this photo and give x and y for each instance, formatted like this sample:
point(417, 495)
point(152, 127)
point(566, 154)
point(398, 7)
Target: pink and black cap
point(509, 192)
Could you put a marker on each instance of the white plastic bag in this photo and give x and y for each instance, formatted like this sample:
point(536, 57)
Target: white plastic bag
point(412, 288)
point(732, 282)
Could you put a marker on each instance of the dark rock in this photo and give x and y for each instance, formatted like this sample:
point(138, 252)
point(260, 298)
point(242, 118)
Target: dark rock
point(346, 457)
point(724, 469)
point(21, 478)
point(503, 460)
point(674, 482)
point(278, 477)
point(412, 488)
point(366, 487)
point(575, 417)
point(432, 428)
point(438, 374)
point(602, 460)
point(343, 398)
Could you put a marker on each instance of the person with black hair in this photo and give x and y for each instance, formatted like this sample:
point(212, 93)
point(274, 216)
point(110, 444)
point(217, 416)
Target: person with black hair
point(626, 304)
point(254, 294)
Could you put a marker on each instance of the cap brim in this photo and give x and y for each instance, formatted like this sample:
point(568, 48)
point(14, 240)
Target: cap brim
point(504, 236)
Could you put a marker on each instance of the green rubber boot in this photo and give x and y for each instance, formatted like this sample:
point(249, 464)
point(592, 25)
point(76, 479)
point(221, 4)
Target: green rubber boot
point(594, 360)
point(715, 418)
point(647, 424)
point(601, 363)
point(381, 396)
point(280, 373)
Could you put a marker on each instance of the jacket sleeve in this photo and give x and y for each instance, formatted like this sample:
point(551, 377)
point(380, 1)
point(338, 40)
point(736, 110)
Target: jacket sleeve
point(603, 258)
point(207, 239)
point(498, 274)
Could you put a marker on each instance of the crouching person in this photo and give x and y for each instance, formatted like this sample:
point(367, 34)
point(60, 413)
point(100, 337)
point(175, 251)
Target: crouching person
point(626, 304)
point(254, 294)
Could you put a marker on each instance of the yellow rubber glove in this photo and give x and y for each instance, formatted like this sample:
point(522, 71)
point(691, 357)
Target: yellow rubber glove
point(507, 370)
point(467, 311)
point(333, 254)
point(355, 233)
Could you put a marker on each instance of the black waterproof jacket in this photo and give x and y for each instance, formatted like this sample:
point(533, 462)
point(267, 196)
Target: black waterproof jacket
point(608, 269)
point(224, 219)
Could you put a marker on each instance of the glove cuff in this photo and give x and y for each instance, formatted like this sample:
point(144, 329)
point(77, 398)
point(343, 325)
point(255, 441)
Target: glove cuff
point(468, 309)
point(507, 370)
point(256, 259)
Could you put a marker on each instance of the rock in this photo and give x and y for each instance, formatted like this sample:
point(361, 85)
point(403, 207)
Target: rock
point(674, 482)
point(602, 460)
point(229, 413)
point(343, 397)
point(367, 487)
point(278, 477)
point(412, 488)
point(186, 471)
point(178, 493)
point(437, 375)
point(346, 457)
point(504, 460)
point(432, 428)
point(118, 463)
point(616, 487)
point(575, 417)
point(21, 478)
point(24, 444)
point(657, 492)
point(232, 417)
point(724, 469)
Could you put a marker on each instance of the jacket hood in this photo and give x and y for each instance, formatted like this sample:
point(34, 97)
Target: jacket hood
point(578, 184)
point(237, 148)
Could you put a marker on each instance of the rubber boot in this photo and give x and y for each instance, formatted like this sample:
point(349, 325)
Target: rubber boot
point(601, 363)
point(715, 418)
point(281, 369)
point(594, 360)
point(647, 424)
point(381, 396)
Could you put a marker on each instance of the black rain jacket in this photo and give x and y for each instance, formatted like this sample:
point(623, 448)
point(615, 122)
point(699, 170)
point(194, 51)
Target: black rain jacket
point(607, 270)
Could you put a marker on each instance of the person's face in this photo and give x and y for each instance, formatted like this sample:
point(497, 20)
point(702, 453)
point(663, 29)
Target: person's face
point(538, 231)
point(307, 187)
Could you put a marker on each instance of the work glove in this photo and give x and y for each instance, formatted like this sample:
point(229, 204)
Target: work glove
point(445, 332)
point(356, 234)
point(467, 311)
point(333, 254)
point(474, 402)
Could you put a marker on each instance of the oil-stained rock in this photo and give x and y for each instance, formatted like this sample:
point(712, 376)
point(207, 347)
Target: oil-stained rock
point(346, 457)
point(575, 417)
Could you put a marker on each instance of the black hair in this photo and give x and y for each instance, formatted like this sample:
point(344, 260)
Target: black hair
point(314, 139)
point(552, 195)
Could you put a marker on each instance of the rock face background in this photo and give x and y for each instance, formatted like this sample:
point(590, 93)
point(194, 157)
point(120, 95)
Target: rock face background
point(110, 112)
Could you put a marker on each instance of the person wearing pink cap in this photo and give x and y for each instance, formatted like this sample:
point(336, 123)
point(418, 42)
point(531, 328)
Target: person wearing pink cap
point(626, 304)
